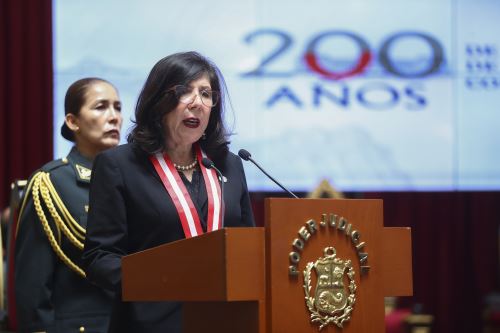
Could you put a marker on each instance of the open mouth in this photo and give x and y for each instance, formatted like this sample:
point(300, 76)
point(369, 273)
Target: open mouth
point(191, 122)
point(113, 133)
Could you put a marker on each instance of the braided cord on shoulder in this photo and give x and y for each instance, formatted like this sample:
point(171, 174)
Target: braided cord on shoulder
point(37, 189)
point(44, 191)
point(25, 199)
point(77, 230)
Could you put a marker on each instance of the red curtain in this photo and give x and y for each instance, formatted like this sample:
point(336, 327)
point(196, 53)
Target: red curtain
point(455, 252)
point(455, 245)
point(26, 88)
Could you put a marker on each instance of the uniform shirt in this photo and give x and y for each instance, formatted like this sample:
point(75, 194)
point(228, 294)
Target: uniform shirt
point(51, 296)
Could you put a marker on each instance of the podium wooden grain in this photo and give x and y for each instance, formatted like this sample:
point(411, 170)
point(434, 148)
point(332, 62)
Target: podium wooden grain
point(236, 279)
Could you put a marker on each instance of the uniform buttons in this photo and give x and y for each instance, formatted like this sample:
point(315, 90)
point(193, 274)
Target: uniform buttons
point(82, 329)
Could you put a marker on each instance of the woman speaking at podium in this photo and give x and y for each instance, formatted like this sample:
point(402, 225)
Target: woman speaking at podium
point(155, 189)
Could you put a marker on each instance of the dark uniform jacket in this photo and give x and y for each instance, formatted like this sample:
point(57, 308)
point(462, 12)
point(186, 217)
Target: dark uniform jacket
point(130, 211)
point(52, 293)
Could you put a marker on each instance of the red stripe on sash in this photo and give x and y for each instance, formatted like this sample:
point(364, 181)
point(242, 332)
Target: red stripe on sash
point(175, 187)
point(214, 194)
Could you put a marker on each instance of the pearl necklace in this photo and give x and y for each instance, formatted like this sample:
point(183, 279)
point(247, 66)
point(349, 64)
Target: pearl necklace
point(186, 167)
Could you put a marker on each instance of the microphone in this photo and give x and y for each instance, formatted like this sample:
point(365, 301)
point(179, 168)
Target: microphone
point(207, 163)
point(245, 155)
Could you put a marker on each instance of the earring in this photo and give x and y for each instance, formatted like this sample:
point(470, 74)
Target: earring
point(203, 136)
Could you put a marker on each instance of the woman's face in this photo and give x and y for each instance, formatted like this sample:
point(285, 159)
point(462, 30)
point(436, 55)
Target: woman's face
point(186, 124)
point(97, 126)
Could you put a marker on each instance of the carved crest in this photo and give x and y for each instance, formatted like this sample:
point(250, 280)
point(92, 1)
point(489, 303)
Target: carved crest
point(333, 300)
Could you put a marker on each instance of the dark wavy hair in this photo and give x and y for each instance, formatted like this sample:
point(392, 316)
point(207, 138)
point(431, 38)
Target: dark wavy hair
point(74, 100)
point(153, 103)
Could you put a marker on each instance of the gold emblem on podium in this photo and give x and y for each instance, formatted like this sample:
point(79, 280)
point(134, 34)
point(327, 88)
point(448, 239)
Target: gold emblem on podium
point(333, 300)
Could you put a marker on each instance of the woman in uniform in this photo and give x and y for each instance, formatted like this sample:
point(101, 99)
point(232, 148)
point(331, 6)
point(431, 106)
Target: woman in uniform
point(52, 292)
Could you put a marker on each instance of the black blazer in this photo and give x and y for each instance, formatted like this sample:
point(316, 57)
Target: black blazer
point(130, 211)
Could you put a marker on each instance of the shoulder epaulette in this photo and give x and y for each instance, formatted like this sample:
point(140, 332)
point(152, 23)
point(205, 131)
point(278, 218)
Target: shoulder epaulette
point(25, 197)
point(46, 199)
point(54, 164)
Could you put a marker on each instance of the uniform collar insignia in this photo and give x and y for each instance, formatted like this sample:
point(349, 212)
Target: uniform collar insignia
point(83, 172)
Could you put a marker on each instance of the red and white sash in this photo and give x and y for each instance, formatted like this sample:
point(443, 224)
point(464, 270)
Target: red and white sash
point(182, 200)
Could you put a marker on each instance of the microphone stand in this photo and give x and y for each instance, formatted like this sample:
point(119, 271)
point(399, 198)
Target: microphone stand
point(274, 180)
point(245, 155)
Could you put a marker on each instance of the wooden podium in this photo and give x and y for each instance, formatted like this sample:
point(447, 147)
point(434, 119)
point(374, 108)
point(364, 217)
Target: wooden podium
point(335, 254)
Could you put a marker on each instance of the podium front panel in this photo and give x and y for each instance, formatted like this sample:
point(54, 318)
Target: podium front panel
point(339, 241)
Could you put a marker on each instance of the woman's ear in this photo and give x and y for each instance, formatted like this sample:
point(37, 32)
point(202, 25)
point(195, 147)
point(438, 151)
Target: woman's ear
point(72, 122)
